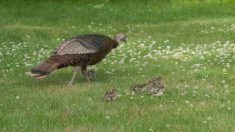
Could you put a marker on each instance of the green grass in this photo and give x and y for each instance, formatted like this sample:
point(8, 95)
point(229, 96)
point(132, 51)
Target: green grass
point(194, 53)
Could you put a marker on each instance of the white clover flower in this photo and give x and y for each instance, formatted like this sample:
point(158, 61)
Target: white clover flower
point(141, 45)
point(159, 94)
point(209, 118)
point(224, 70)
point(108, 72)
point(153, 42)
point(132, 59)
point(119, 95)
point(17, 97)
point(223, 81)
point(233, 26)
point(166, 41)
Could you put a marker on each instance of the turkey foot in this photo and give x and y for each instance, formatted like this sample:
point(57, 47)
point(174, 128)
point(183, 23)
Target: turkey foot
point(84, 72)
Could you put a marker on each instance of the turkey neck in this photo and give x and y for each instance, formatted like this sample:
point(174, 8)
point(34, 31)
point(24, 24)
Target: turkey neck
point(115, 44)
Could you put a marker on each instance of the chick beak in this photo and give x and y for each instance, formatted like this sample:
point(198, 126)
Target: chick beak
point(124, 40)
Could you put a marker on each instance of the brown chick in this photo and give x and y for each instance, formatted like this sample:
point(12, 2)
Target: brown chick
point(138, 87)
point(91, 74)
point(110, 95)
point(155, 86)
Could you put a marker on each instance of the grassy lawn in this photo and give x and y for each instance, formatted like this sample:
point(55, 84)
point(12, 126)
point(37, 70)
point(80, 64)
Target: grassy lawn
point(191, 44)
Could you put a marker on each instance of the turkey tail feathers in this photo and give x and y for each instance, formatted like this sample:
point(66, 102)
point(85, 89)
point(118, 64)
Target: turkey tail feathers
point(43, 69)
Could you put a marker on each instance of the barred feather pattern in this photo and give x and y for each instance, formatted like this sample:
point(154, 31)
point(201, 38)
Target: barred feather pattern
point(73, 47)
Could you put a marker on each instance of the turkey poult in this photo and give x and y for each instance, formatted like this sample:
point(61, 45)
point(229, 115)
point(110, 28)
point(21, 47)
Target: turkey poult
point(138, 87)
point(79, 52)
point(91, 74)
point(110, 95)
point(155, 86)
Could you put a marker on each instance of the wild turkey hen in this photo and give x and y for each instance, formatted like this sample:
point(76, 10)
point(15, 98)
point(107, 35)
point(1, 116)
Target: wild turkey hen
point(79, 52)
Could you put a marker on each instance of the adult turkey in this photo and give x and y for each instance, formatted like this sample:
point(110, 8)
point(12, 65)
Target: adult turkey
point(79, 52)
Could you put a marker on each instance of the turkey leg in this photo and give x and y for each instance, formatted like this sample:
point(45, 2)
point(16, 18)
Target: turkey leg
point(84, 72)
point(76, 69)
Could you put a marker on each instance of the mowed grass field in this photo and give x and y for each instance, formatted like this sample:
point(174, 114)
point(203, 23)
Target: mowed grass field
point(191, 44)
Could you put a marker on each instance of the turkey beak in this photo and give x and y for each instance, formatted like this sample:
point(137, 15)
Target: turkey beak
point(125, 40)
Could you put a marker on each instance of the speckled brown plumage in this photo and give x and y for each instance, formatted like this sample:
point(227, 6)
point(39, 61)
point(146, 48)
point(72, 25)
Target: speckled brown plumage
point(79, 51)
point(138, 87)
point(155, 86)
point(110, 95)
point(83, 50)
